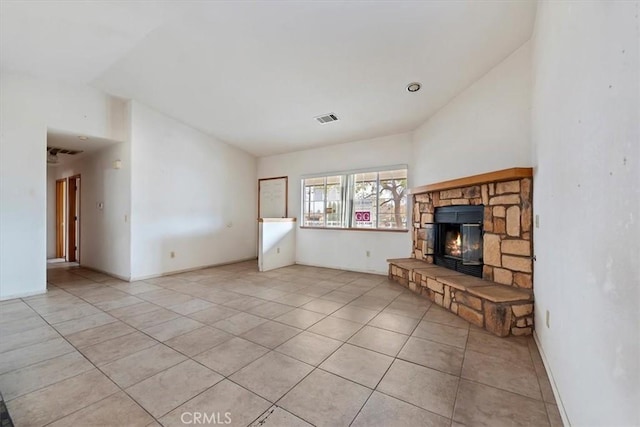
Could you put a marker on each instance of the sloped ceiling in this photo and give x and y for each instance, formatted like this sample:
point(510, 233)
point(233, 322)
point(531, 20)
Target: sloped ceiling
point(254, 74)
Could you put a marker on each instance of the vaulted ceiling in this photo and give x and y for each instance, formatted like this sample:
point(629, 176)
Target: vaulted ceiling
point(255, 74)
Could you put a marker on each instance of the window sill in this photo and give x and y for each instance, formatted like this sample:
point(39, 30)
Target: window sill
point(383, 230)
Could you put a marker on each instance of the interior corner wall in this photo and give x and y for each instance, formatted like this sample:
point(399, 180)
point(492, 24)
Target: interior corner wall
point(342, 249)
point(28, 106)
point(586, 145)
point(192, 196)
point(483, 129)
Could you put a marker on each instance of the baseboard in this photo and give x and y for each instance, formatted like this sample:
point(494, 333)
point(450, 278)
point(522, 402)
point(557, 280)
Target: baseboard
point(355, 270)
point(25, 295)
point(554, 388)
point(186, 270)
point(108, 273)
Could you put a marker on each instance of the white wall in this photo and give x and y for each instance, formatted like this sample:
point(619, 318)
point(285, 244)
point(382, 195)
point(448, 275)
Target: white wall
point(276, 244)
point(483, 129)
point(342, 249)
point(191, 194)
point(586, 140)
point(27, 107)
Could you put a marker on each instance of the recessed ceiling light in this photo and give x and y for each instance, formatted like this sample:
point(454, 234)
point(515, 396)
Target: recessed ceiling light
point(414, 87)
point(82, 137)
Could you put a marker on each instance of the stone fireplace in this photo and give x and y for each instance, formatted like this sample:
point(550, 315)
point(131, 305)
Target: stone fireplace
point(472, 249)
point(505, 227)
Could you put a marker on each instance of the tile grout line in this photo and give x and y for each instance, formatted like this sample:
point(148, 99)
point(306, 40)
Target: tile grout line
point(544, 403)
point(228, 377)
point(323, 360)
point(105, 375)
point(95, 367)
point(455, 400)
point(123, 390)
point(237, 273)
point(338, 348)
point(375, 389)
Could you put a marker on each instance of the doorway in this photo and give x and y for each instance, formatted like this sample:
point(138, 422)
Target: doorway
point(61, 189)
point(67, 212)
point(73, 218)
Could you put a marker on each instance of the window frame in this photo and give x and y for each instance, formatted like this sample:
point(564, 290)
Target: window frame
point(347, 178)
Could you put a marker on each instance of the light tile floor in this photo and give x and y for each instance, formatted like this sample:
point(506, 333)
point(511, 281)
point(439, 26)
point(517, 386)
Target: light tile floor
point(292, 347)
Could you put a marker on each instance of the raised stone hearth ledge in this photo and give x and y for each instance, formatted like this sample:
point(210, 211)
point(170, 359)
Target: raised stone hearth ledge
point(500, 309)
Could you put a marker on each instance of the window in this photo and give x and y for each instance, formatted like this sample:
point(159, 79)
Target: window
point(372, 199)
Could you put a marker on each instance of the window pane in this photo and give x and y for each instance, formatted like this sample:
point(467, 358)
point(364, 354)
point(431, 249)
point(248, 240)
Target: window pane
point(335, 186)
point(365, 200)
point(392, 200)
point(314, 196)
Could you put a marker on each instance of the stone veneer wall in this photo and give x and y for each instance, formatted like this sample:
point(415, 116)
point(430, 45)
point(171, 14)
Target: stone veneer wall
point(507, 226)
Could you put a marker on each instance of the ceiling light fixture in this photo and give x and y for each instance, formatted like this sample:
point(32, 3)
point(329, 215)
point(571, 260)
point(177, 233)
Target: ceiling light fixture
point(414, 87)
point(52, 158)
point(83, 138)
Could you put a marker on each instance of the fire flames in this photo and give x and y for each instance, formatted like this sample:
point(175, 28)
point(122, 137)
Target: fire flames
point(454, 246)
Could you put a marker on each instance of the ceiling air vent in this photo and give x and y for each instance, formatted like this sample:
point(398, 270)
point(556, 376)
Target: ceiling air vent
point(327, 118)
point(52, 154)
point(57, 150)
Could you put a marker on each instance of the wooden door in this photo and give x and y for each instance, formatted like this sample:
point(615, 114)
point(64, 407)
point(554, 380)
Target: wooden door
point(60, 234)
point(73, 218)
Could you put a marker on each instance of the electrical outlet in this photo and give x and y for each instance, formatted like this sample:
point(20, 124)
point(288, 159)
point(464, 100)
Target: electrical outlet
point(547, 318)
point(278, 250)
point(537, 221)
point(368, 254)
point(173, 254)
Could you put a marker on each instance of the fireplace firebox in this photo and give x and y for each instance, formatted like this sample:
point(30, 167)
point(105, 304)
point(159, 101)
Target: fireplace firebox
point(457, 234)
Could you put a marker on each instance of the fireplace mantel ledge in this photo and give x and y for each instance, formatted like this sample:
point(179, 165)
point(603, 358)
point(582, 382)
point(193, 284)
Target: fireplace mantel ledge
point(484, 178)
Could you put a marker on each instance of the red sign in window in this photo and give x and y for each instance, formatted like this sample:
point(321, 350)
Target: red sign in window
point(363, 216)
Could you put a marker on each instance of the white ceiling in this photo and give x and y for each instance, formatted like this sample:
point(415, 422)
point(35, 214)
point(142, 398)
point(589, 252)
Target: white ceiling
point(255, 74)
point(70, 141)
